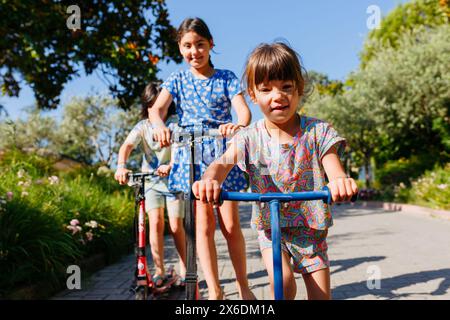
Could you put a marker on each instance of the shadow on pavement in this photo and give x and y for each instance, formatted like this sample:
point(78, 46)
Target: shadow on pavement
point(346, 264)
point(389, 285)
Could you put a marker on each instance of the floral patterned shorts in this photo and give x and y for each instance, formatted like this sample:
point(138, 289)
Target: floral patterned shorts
point(307, 247)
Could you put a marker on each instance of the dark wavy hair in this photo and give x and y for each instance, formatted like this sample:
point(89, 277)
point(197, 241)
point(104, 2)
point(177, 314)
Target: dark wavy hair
point(198, 26)
point(148, 98)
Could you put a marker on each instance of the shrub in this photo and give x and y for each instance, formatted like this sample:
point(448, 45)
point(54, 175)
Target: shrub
point(432, 189)
point(403, 170)
point(37, 206)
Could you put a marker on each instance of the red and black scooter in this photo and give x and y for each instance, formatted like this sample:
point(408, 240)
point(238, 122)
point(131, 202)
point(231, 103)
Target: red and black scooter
point(143, 287)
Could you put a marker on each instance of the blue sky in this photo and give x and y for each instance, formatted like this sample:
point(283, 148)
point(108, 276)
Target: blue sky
point(328, 35)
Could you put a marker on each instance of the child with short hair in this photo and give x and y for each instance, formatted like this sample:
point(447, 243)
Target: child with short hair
point(285, 152)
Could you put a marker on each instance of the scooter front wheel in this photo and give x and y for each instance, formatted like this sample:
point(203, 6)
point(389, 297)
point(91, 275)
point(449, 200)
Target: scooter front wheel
point(141, 293)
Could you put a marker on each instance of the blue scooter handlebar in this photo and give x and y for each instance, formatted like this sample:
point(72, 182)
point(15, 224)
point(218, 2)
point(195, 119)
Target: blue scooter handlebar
point(324, 195)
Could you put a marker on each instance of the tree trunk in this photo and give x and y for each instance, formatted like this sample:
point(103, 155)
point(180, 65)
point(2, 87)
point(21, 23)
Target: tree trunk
point(366, 170)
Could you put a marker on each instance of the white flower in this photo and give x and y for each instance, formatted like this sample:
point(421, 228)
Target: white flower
point(74, 222)
point(442, 186)
point(24, 193)
point(53, 180)
point(92, 224)
point(21, 173)
point(89, 236)
point(74, 229)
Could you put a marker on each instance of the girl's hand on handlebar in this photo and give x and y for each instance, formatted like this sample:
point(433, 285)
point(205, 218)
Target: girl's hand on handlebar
point(342, 189)
point(163, 170)
point(121, 175)
point(162, 134)
point(207, 191)
point(228, 129)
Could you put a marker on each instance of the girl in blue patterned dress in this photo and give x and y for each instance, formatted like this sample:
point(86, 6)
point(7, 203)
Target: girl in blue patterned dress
point(204, 97)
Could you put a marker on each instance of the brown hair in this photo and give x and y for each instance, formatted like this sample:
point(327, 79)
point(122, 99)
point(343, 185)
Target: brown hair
point(148, 98)
point(198, 26)
point(276, 61)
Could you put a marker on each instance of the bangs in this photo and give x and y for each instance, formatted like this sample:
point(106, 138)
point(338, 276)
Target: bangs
point(273, 65)
point(274, 62)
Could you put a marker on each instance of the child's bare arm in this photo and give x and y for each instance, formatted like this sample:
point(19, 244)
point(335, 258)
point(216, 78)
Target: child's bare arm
point(243, 114)
point(341, 187)
point(164, 169)
point(124, 154)
point(208, 188)
point(157, 113)
point(242, 110)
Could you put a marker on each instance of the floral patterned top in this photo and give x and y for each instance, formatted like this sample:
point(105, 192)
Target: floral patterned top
point(202, 103)
point(295, 167)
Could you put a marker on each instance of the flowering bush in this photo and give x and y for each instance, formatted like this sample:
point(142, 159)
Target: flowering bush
point(85, 235)
point(431, 189)
point(49, 219)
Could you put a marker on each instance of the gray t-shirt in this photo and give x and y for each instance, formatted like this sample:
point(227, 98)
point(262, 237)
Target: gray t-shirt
point(154, 156)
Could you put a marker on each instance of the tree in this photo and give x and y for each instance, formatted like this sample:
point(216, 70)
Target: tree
point(93, 128)
point(91, 131)
point(124, 40)
point(323, 84)
point(410, 91)
point(398, 106)
point(403, 19)
point(3, 111)
point(34, 133)
point(353, 117)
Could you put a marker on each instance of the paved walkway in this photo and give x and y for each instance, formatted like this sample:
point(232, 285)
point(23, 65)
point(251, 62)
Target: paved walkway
point(409, 253)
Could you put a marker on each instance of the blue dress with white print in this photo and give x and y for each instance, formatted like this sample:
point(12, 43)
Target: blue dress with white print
point(202, 104)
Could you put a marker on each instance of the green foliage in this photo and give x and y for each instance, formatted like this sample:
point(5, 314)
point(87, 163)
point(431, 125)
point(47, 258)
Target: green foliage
point(403, 19)
point(408, 89)
point(35, 132)
point(323, 84)
point(403, 170)
point(351, 115)
point(91, 130)
point(398, 105)
point(124, 40)
point(38, 210)
point(33, 246)
point(431, 190)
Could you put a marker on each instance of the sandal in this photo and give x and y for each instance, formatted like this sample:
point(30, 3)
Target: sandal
point(158, 281)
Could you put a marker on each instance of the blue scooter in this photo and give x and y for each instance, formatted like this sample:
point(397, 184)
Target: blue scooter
point(274, 200)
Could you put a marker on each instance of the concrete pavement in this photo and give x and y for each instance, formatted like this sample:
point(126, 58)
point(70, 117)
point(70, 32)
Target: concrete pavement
point(375, 254)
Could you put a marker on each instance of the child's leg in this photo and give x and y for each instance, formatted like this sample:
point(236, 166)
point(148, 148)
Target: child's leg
point(206, 249)
point(289, 285)
point(175, 211)
point(156, 221)
point(309, 251)
point(318, 284)
point(154, 205)
point(228, 215)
